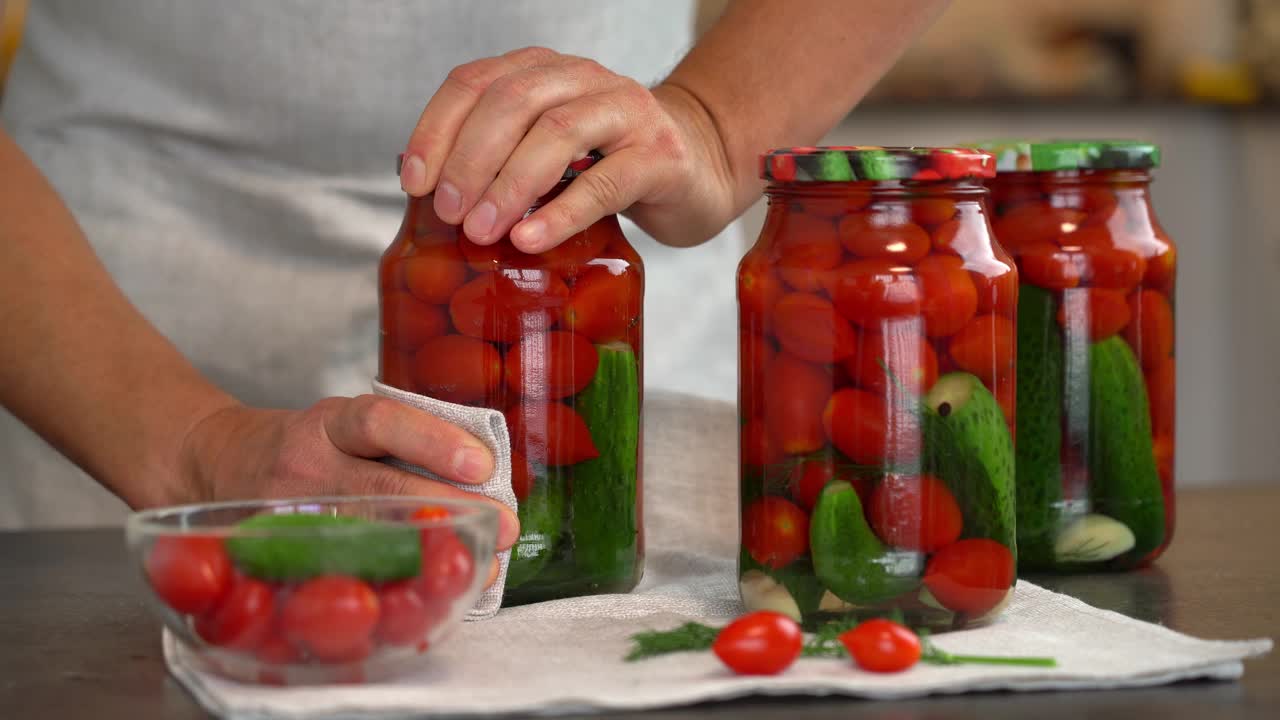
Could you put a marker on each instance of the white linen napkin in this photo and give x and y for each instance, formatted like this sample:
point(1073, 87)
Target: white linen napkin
point(491, 429)
point(567, 655)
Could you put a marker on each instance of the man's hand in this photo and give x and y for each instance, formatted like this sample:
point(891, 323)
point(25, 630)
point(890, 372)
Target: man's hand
point(500, 132)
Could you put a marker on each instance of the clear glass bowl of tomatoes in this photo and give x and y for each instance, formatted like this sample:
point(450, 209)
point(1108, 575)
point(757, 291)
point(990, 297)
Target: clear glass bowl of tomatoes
point(313, 591)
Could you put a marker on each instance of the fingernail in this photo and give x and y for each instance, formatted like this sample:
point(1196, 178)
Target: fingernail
point(530, 235)
point(448, 202)
point(480, 222)
point(413, 175)
point(473, 463)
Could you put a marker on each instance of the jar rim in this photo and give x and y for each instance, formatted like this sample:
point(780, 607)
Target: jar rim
point(852, 163)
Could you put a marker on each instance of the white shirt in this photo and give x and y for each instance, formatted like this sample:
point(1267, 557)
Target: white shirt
point(232, 163)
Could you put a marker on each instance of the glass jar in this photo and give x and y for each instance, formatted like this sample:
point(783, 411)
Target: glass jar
point(554, 341)
point(1095, 432)
point(876, 390)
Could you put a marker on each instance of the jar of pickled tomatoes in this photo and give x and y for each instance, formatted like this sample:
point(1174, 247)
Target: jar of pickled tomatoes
point(1096, 367)
point(876, 390)
point(553, 340)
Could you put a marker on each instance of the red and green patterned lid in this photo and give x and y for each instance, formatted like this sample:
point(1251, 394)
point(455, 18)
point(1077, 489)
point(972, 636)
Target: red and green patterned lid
point(1018, 155)
point(849, 163)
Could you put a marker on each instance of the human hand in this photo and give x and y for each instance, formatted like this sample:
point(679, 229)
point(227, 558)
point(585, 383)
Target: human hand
point(500, 132)
point(331, 449)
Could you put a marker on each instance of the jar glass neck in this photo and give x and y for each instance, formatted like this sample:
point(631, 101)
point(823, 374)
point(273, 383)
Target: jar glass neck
point(1069, 178)
point(878, 189)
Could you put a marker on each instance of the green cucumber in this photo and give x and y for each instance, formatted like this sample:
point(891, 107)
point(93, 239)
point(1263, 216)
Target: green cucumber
point(849, 559)
point(542, 521)
point(967, 446)
point(310, 544)
point(1123, 481)
point(1039, 413)
point(604, 489)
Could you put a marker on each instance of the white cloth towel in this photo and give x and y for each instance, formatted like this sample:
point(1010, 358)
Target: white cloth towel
point(567, 655)
point(491, 429)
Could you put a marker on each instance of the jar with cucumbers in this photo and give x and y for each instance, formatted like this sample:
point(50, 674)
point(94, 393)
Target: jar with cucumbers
point(876, 390)
point(1096, 366)
point(553, 340)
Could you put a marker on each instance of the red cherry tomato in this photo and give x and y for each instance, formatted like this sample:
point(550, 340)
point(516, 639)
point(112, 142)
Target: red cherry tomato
point(457, 368)
point(550, 365)
point(997, 286)
point(1162, 263)
point(809, 327)
point(882, 646)
point(1151, 333)
point(521, 476)
point(759, 289)
point(189, 573)
point(1048, 266)
point(985, 347)
point(900, 353)
point(915, 512)
point(932, 210)
point(1035, 222)
point(1115, 268)
point(965, 236)
point(775, 531)
point(434, 273)
point(1103, 312)
point(948, 296)
point(867, 292)
point(332, 617)
point(482, 258)
point(757, 447)
point(242, 619)
point(1162, 390)
point(396, 369)
point(447, 570)
point(573, 256)
point(795, 394)
point(407, 322)
point(970, 576)
point(604, 303)
point(755, 356)
point(759, 643)
point(888, 234)
point(807, 247)
point(404, 618)
point(808, 478)
point(275, 648)
point(502, 306)
point(870, 432)
point(550, 433)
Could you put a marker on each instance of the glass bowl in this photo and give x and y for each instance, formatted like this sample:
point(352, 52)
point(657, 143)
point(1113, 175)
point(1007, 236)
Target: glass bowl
point(313, 590)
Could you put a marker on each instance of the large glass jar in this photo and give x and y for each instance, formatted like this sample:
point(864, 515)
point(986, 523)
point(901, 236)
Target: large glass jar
point(553, 341)
point(1095, 432)
point(876, 390)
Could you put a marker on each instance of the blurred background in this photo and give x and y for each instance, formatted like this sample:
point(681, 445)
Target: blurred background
point(1199, 77)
